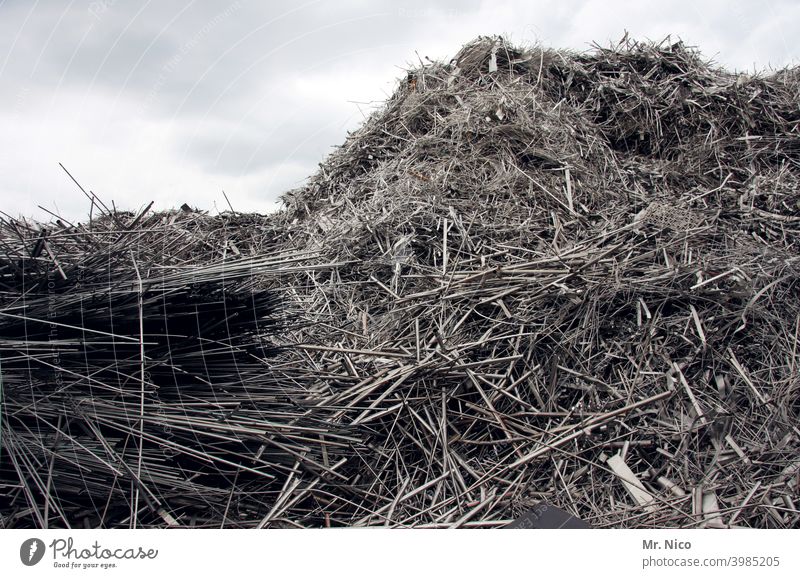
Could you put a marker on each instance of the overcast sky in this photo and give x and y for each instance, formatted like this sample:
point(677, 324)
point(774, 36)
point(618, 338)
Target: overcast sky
point(174, 101)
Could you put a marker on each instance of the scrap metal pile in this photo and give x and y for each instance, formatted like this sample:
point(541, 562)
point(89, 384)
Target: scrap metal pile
point(532, 275)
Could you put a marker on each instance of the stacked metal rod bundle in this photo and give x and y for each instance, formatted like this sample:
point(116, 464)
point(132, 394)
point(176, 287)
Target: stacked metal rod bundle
point(531, 275)
point(136, 384)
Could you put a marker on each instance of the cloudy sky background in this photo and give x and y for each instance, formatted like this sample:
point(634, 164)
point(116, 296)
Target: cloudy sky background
point(173, 102)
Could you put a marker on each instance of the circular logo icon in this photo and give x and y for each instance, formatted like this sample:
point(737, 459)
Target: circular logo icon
point(32, 551)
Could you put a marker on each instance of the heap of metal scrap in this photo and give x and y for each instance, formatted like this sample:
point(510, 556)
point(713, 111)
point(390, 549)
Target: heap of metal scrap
point(532, 275)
